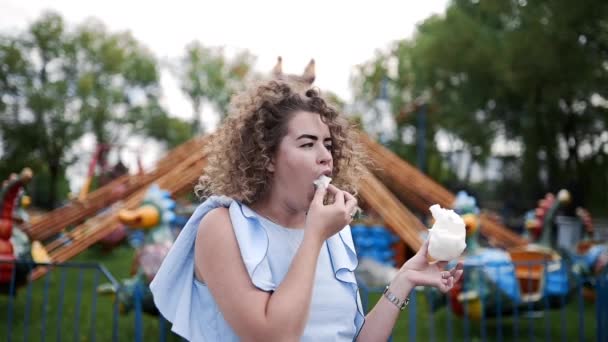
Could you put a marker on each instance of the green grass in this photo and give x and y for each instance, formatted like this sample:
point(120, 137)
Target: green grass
point(559, 324)
point(79, 319)
point(66, 321)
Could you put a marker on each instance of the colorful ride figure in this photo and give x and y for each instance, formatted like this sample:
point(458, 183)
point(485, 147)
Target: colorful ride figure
point(154, 217)
point(569, 229)
point(17, 252)
point(499, 281)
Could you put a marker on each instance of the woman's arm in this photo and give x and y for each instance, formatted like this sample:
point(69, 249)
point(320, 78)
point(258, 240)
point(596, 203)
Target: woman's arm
point(380, 321)
point(252, 313)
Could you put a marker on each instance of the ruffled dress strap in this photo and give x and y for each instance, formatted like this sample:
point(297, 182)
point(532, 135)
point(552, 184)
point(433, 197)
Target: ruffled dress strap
point(253, 242)
point(173, 286)
point(344, 261)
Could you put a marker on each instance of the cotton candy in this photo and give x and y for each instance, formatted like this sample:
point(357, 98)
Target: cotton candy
point(323, 180)
point(447, 236)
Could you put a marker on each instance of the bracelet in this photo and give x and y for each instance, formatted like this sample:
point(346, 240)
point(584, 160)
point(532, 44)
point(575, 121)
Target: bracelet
point(400, 304)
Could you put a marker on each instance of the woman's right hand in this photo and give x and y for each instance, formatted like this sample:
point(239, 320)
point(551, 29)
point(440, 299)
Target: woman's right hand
point(327, 220)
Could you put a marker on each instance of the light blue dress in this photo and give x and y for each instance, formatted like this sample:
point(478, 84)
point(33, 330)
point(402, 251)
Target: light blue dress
point(267, 250)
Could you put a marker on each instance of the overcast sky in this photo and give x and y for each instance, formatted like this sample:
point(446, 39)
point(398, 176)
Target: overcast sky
point(338, 34)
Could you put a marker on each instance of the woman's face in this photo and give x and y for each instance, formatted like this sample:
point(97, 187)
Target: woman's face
point(303, 155)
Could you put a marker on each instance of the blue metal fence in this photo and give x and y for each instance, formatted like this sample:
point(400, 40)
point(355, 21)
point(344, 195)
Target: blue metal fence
point(64, 305)
point(40, 310)
point(573, 315)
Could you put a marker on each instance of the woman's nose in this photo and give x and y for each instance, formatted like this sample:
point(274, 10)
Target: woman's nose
point(324, 156)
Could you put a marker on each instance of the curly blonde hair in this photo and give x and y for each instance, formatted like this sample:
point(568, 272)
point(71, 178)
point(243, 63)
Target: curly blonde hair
point(243, 147)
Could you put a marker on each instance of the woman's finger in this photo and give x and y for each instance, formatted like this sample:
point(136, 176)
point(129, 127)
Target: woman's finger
point(332, 189)
point(457, 271)
point(458, 275)
point(339, 198)
point(349, 197)
point(351, 204)
point(445, 274)
point(458, 267)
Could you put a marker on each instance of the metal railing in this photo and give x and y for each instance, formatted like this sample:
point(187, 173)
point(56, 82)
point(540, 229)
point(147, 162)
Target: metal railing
point(580, 313)
point(39, 311)
point(64, 305)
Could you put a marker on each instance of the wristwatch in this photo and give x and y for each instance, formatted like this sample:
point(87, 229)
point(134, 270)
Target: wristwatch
point(401, 304)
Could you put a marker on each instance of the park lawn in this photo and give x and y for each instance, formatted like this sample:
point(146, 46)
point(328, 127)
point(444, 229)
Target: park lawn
point(70, 321)
point(560, 324)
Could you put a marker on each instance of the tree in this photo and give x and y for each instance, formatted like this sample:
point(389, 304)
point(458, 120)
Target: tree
point(533, 73)
point(208, 76)
point(390, 84)
point(39, 121)
point(159, 125)
point(117, 82)
point(57, 84)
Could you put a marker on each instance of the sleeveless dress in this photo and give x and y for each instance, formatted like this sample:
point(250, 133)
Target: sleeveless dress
point(267, 250)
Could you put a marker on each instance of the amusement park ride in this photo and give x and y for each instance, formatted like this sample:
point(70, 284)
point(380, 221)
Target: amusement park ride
point(16, 248)
point(391, 190)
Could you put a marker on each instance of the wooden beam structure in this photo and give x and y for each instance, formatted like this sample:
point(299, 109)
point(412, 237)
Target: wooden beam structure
point(420, 191)
point(75, 212)
point(180, 169)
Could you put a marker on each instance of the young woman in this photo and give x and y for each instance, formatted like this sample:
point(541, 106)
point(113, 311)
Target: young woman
point(268, 256)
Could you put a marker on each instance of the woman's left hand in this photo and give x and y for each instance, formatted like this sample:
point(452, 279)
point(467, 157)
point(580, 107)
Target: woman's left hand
point(419, 271)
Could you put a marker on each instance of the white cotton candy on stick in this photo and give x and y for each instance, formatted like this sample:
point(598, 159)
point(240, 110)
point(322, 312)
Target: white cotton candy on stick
point(447, 236)
point(323, 181)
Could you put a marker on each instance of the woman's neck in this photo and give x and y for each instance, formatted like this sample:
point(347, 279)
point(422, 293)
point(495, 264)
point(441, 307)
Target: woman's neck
point(280, 212)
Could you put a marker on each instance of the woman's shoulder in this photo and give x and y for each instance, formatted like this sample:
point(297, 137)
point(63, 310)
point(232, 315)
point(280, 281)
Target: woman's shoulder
point(215, 225)
point(219, 215)
point(232, 233)
point(223, 223)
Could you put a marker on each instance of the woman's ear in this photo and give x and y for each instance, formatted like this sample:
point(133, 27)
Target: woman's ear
point(270, 167)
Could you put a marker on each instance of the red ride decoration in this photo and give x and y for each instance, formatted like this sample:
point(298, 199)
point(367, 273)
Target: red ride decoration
point(6, 229)
point(6, 254)
point(6, 247)
point(456, 305)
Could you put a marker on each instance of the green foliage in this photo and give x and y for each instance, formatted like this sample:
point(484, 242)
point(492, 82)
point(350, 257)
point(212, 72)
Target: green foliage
point(39, 120)
point(58, 84)
point(208, 76)
point(530, 72)
point(158, 124)
point(117, 81)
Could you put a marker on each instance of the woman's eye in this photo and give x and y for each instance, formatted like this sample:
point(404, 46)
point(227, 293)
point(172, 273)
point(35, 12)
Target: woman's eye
point(329, 147)
point(307, 145)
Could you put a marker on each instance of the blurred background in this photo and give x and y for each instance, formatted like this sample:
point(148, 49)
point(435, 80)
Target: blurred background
point(512, 93)
point(496, 109)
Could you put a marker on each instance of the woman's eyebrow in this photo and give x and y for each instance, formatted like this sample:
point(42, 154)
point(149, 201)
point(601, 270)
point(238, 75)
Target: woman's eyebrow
point(312, 137)
point(308, 136)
